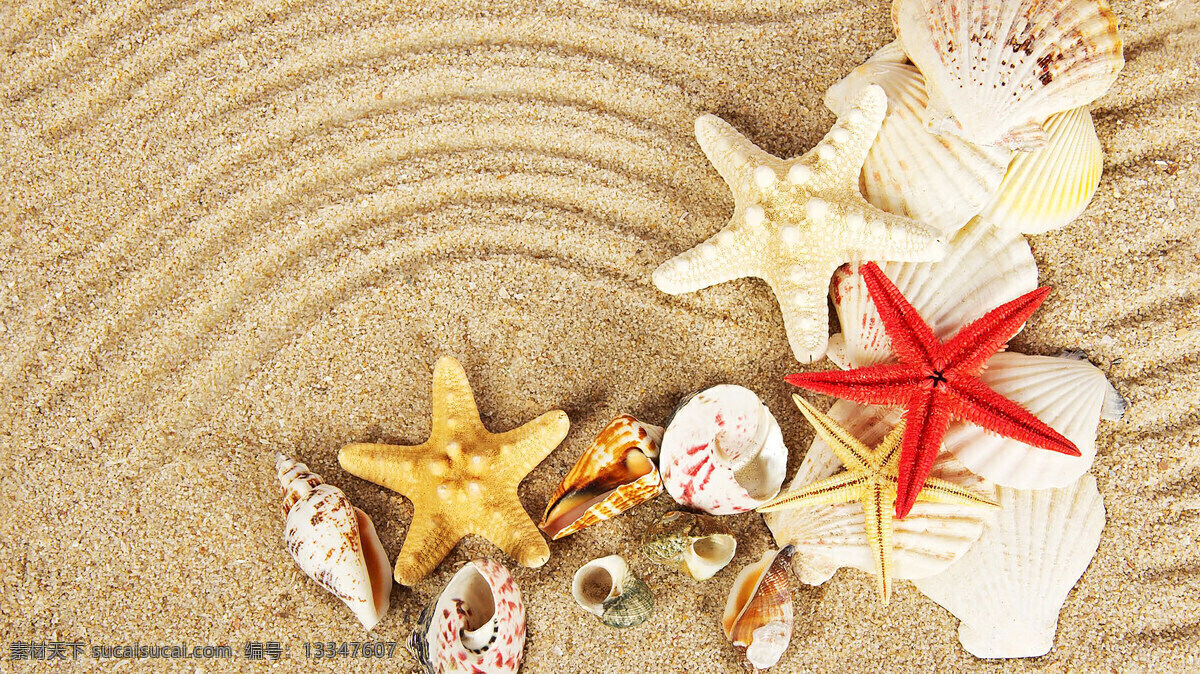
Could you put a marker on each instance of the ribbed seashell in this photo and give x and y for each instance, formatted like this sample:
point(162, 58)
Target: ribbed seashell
point(892, 52)
point(829, 537)
point(476, 625)
point(758, 613)
point(983, 268)
point(996, 69)
point(940, 180)
point(697, 545)
point(723, 452)
point(333, 542)
point(1049, 187)
point(615, 473)
point(1010, 587)
point(607, 588)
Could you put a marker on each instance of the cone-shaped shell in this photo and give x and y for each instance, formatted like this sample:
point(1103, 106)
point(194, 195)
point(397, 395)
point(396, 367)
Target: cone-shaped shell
point(476, 625)
point(607, 588)
point(1009, 588)
point(333, 542)
point(697, 545)
point(940, 180)
point(996, 69)
point(723, 452)
point(758, 613)
point(614, 474)
point(1049, 187)
point(829, 537)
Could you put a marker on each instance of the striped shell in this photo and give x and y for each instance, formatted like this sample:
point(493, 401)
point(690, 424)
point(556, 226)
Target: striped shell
point(614, 474)
point(607, 588)
point(476, 625)
point(333, 542)
point(758, 613)
point(697, 545)
point(997, 69)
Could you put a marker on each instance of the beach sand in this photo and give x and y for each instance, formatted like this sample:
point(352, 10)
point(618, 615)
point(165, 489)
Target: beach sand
point(235, 229)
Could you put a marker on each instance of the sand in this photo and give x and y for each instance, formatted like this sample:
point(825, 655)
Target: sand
point(232, 229)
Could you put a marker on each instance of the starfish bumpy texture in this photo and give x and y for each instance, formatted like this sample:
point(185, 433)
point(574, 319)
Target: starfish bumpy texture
point(796, 220)
point(463, 479)
point(935, 381)
point(870, 478)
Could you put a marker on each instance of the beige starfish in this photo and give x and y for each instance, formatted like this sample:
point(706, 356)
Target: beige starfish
point(795, 221)
point(870, 478)
point(463, 479)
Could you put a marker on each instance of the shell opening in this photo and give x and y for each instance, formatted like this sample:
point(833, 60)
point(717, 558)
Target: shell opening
point(477, 605)
point(379, 569)
point(597, 586)
point(573, 505)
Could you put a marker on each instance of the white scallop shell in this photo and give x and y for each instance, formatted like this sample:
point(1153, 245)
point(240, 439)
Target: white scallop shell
point(941, 180)
point(830, 537)
point(983, 268)
point(333, 542)
point(477, 623)
point(723, 452)
point(607, 588)
point(1009, 588)
point(996, 69)
point(1049, 187)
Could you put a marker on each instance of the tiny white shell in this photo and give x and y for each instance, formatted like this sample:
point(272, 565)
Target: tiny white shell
point(723, 452)
point(1049, 187)
point(1009, 588)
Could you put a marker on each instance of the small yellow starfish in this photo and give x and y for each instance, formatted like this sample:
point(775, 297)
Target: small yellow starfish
point(797, 220)
point(870, 478)
point(463, 479)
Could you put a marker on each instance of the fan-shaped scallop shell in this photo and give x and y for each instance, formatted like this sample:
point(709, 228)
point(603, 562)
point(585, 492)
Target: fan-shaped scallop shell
point(940, 180)
point(476, 625)
point(758, 613)
point(830, 537)
point(723, 452)
point(609, 589)
point(614, 474)
point(333, 542)
point(996, 69)
point(1009, 588)
point(697, 545)
point(1049, 187)
point(983, 268)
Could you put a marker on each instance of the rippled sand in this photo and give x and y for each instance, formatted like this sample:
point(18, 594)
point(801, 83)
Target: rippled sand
point(231, 229)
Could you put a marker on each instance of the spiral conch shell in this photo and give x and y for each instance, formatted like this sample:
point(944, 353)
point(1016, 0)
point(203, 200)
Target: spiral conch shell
point(723, 452)
point(476, 625)
point(614, 474)
point(758, 614)
point(334, 543)
point(697, 545)
point(609, 589)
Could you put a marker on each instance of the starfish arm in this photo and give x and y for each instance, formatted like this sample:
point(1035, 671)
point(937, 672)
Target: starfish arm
point(980, 339)
point(512, 530)
point(733, 156)
point(972, 400)
point(878, 526)
point(838, 158)
point(729, 254)
point(912, 338)
point(852, 452)
point(937, 490)
point(377, 463)
point(425, 545)
point(529, 445)
point(875, 385)
point(841, 488)
point(452, 396)
point(801, 293)
point(926, 417)
point(874, 234)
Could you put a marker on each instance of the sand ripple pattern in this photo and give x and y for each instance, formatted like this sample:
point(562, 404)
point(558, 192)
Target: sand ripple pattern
point(235, 228)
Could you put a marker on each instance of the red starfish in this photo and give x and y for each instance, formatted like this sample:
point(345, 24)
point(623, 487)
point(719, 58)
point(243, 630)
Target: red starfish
point(935, 381)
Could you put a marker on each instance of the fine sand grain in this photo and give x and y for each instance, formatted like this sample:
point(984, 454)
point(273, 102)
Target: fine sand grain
point(231, 229)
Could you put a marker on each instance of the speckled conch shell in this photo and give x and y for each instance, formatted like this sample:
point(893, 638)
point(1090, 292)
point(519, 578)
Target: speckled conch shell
point(829, 537)
point(1049, 187)
point(609, 589)
point(614, 474)
point(996, 69)
point(1009, 588)
point(334, 543)
point(697, 545)
point(476, 625)
point(723, 452)
point(758, 613)
point(940, 180)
